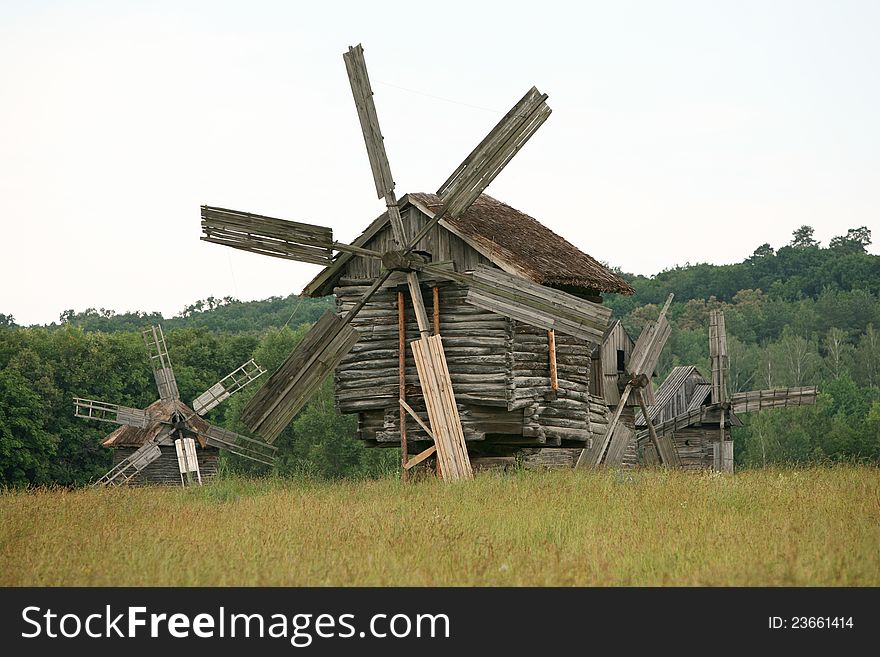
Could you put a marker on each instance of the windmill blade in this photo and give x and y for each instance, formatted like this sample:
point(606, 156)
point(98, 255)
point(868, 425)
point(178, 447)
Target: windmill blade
point(227, 386)
point(235, 443)
point(617, 446)
point(362, 92)
point(359, 80)
point(663, 444)
point(718, 354)
point(488, 159)
point(521, 299)
point(642, 362)
point(648, 347)
point(154, 339)
point(278, 238)
point(759, 400)
point(492, 154)
point(125, 470)
point(97, 410)
point(291, 386)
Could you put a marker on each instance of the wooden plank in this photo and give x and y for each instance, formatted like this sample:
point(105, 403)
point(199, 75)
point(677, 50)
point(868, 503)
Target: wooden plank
point(442, 409)
point(551, 346)
point(757, 400)
point(401, 375)
point(421, 456)
point(488, 159)
point(436, 295)
point(534, 304)
point(406, 407)
point(663, 444)
point(290, 387)
point(618, 444)
point(268, 235)
point(362, 92)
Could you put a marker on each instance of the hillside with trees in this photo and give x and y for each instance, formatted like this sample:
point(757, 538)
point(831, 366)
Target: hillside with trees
point(798, 314)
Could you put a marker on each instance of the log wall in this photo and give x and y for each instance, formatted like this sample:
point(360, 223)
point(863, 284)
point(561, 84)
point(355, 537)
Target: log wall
point(165, 470)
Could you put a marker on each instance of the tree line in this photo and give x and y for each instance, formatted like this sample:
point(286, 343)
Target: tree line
point(798, 315)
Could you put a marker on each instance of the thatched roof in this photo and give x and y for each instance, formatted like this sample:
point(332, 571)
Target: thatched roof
point(159, 412)
point(512, 240)
point(522, 242)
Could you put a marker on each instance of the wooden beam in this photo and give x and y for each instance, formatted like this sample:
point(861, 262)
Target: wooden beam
point(409, 409)
point(401, 366)
point(418, 458)
point(554, 380)
point(663, 444)
point(436, 292)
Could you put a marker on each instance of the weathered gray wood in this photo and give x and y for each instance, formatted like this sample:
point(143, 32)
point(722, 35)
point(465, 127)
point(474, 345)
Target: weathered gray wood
point(160, 362)
point(227, 386)
point(663, 444)
point(757, 400)
point(366, 108)
point(238, 444)
point(619, 442)
point(290, 387)
point(722, 456)
point(97, 410)
point(538, 305)
point(268, 235)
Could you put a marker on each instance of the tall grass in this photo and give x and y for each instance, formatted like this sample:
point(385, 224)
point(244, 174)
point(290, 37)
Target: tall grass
point(817, 526)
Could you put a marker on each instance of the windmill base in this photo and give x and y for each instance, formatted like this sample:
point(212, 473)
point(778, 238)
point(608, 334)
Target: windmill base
point(165, 471)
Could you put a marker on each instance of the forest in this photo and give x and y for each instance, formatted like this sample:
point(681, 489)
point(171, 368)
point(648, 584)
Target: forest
point(798, 314)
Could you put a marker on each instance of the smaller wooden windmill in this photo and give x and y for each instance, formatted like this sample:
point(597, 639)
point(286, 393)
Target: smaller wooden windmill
point(168, 421)
point(696, 414)
point(642, 362)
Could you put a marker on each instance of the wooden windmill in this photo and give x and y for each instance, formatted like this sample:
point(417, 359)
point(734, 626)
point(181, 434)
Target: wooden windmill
point(323, 348)
point(642, 362)
point(169, 421)
point(696, 414)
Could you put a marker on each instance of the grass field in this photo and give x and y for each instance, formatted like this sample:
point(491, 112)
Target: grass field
point(818, 526)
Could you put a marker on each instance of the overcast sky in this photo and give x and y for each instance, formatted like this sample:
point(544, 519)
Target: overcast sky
point(681, 131)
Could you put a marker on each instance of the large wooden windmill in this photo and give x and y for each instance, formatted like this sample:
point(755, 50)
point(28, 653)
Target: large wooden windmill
point(695, 414)
point(332, 337)
point(168, 421)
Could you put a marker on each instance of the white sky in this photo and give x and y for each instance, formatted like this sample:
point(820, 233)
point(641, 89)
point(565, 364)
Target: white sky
point(681, 132)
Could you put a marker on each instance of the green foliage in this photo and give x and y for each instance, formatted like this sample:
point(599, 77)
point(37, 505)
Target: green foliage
point(797, 315)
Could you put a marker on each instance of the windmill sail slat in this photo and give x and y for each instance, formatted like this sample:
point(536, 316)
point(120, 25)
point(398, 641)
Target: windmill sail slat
point(366, 109)
point(304, 370)
point(267, 235)
point(459, 201)
point(114, 413)
point(538, 305)
point(648, 347)
point(227, 386)
point(758, 400)
point(499, 145)
point(154, 339)
point(718, 354)
point(238, 444)
point(617, 447)
point(128, 468)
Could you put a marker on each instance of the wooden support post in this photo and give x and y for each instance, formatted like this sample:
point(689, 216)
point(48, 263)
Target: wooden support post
point(401, 346)
point(664, 445)
point(436, 310)
point(554, 378)
point(415, 291)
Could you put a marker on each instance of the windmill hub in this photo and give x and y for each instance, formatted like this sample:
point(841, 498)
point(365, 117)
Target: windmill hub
point(402, 261)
